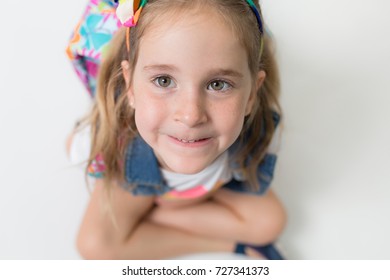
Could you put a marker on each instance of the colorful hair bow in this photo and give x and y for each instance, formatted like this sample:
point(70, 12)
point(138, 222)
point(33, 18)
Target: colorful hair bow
point(128, 11)
point(90, 40)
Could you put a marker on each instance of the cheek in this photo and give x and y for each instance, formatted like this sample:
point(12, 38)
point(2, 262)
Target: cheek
point(148, 115)
point(230, 118)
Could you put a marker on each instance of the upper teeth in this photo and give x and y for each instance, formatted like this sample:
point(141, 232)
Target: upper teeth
point(187, 141)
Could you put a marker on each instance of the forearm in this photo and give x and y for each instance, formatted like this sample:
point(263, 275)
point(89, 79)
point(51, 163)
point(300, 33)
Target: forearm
point(152, 241)
point(123, 232)
point(207, 218)
point(229, 216)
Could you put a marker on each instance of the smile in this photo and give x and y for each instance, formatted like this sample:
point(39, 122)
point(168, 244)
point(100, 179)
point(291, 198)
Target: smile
point(191, 141)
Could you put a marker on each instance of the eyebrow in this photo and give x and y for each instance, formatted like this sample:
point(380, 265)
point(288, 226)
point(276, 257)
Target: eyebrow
point(214, 72)
point(226, 72)
point(160, 67)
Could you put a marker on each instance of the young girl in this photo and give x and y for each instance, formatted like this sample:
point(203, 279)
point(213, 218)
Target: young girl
point(184, 134)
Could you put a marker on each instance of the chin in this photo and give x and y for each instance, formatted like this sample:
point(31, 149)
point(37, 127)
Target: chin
point(186, 168)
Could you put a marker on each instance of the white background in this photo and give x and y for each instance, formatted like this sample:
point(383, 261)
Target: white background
point(333, 170)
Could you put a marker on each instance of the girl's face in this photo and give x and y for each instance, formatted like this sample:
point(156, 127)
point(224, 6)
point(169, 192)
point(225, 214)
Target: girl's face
point(191, 90)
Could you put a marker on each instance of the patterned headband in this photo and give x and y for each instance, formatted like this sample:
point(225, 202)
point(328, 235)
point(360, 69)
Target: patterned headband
point(128, 13)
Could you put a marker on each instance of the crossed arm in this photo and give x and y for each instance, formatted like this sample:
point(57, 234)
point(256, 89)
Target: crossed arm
point(123, 226)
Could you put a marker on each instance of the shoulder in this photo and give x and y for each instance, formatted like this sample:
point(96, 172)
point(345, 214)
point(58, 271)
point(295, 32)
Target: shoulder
point(266, 167)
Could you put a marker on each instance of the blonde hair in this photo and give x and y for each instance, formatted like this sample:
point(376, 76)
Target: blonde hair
point(112, 118)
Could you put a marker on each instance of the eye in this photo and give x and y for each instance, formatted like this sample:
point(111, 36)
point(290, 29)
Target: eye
point(163, 81)
point(219, 85)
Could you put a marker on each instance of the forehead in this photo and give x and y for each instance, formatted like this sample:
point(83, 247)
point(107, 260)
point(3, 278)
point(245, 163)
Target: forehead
point(195, 38)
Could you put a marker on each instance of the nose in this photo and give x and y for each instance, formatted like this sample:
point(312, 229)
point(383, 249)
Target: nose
point(190, 109)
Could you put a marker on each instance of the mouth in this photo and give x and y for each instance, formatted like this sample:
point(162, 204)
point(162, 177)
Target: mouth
point(190, 142)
